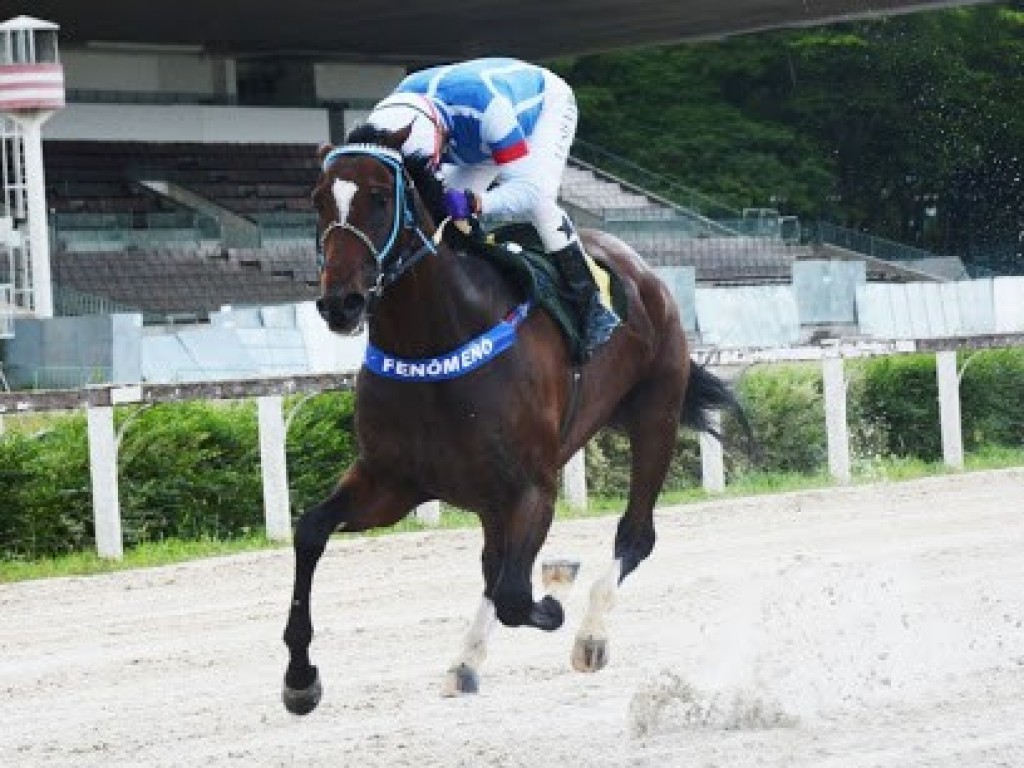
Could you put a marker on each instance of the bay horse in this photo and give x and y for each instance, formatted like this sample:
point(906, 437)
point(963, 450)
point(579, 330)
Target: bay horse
point(490, 432)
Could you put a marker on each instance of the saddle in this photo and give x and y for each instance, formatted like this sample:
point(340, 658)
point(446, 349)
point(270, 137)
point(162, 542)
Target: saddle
point(517, 252)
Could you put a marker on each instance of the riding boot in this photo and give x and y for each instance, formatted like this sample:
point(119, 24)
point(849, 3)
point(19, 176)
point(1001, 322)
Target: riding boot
point(597, 320)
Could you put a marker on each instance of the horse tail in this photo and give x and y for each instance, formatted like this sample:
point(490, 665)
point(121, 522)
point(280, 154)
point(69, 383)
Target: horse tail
point(705, 393)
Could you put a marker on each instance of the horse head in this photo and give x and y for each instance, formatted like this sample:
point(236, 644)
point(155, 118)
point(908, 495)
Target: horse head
point(372, 226)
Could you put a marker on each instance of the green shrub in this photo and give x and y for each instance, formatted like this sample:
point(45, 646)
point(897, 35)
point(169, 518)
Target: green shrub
point(992, 398)
point(190, 470)
point(46, 490)
point(786, 411)
point(901, 393)
point(321, 446)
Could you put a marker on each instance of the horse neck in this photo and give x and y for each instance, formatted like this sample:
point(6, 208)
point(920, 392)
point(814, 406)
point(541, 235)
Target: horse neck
point(443, 301)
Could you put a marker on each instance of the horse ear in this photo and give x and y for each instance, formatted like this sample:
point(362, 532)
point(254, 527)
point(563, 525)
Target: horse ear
point(398, 138)
point(323, 150)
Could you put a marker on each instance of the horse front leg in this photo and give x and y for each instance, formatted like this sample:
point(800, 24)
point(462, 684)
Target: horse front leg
point(357, 504)
point(463, 675)
point(519, 535)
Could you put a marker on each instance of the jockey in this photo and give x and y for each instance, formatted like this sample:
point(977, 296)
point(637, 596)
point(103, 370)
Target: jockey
point(505, 121)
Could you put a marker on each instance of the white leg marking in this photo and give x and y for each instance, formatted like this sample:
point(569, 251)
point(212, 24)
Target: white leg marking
point(462, 674)
point(590, 651)
point(474, 648)
point(602, 600)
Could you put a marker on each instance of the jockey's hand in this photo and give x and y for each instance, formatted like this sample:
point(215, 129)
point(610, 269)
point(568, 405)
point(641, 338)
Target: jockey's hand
point(461, 204)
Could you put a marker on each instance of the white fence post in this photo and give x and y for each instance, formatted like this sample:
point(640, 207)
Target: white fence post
point(574, 480)
point(106, 507)
point(711, 458)
point(429, 513)
point(949, 408)
point(836, 429)
point(274, 468)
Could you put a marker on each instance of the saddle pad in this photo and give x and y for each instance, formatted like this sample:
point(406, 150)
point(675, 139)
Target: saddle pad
point(516, 249)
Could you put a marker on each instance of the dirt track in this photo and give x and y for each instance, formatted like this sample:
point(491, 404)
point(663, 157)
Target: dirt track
point(879, 626)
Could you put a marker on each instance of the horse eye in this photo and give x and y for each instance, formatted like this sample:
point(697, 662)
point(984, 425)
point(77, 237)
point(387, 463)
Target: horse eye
point(379, 198)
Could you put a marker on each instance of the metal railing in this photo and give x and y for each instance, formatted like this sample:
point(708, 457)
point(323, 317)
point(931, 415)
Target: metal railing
point(154, 220)
point(57, 377)
point(650, 182)
point(869, 245)
point(69, 302)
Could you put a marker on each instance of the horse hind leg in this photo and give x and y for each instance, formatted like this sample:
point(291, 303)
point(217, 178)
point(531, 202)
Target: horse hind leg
point(590, 649)
point(357, 504)
point(652, 435)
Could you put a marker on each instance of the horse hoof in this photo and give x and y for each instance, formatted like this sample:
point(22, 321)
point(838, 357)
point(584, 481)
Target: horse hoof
point(590, 654)
point(547, 614)
point(304, 701)
point(460, 680)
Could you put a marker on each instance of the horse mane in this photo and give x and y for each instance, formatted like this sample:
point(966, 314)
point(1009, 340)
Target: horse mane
point(428, 184)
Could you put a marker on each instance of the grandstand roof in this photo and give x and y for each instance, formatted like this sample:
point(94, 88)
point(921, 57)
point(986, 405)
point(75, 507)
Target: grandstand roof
point(410, 31)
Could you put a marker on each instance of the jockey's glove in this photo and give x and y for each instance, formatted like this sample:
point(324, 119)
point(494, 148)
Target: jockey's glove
point(461, 204)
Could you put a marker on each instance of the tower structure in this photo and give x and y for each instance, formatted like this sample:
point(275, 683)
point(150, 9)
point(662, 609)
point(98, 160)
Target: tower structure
point(31, 91)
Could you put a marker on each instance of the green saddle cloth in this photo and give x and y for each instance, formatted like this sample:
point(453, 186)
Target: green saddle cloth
point(517, 251)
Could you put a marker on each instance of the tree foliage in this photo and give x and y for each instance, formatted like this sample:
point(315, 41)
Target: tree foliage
point(908, 127)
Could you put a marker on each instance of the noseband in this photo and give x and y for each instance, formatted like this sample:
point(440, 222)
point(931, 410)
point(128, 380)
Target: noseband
point(391, 263)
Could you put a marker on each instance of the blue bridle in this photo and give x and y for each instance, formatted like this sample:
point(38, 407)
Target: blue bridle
point(390, 266)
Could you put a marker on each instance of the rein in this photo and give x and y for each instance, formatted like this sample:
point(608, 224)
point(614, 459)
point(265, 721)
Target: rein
point(391, 264)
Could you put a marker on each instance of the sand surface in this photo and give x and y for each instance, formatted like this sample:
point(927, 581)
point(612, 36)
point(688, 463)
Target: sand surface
point(870, 626)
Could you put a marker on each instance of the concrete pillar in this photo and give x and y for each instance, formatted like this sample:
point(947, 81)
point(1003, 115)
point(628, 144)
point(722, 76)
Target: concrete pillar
point(429, 513)
point(836, 428)
point(274, 467)
point(574, 481)
point(711, 458)
point(949, 408)
point(106, 506)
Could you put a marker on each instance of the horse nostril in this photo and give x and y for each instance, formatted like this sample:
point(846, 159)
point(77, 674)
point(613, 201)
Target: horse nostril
point(341, 311)
point(353, 305)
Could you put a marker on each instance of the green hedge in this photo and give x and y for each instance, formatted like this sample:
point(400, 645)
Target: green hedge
point(187, 470)
point(192, 470)
point(899, 396)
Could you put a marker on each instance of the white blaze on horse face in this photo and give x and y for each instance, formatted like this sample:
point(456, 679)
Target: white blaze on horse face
point(343, 191)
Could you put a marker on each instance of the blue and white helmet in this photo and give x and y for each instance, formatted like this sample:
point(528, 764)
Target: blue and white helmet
point(399, 110)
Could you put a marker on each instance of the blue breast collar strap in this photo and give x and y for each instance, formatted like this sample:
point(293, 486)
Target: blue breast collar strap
point(450, 365)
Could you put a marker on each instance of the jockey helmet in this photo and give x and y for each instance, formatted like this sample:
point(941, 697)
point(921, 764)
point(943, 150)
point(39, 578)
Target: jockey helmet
point(398, 110)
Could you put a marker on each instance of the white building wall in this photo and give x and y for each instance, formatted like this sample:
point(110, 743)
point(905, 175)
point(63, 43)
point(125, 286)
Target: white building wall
point(340, 82)
point(143, 122)
point(141, 72)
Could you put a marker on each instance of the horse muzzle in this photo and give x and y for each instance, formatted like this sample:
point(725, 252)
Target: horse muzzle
point(343, 313)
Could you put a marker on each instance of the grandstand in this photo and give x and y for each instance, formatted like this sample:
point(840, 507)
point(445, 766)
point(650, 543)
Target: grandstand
point(213, 223)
